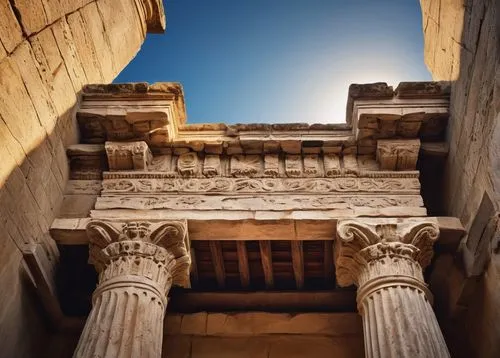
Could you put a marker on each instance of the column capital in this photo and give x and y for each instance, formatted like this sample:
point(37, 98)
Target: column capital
point(387, 242)
point(108, 237)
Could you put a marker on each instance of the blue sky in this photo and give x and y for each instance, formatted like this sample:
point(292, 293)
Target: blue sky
point(277, 61)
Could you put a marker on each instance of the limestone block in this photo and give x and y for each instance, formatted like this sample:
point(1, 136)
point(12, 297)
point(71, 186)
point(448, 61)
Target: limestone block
point(99, 36)
point(315, 347)
point(53, 71)
point(56, 9)
point(172, 323)
point(32, 15)
point(248, 347)
point(27, 64)
point(176, 346)
point(124, 30)
point(10, 30)
point(84, 46)
point(263, 323)
point(3, 53)
point(77, 206)
point(194, 323)
point(17, 110)
point(69, 52)
point(11, 151)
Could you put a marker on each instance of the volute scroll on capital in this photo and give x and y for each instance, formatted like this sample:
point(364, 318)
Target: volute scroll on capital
point(170, 235)
point(360, 243)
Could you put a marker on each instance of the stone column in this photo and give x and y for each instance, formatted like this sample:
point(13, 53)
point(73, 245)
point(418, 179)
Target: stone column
point(137, 263)
point(384, 258)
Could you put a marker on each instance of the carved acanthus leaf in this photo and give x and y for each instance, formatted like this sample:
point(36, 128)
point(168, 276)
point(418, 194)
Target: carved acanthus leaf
point(360, 242)
point(170, 235)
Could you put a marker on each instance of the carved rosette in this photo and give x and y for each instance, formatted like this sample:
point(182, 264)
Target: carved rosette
point(385, 258)
point(137, 264)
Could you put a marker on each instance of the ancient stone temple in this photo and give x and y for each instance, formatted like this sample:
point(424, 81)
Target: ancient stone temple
point(129, 232)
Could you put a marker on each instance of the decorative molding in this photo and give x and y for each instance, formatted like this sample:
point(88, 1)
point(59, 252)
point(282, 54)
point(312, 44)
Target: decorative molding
point(266, 185)
point(398, 154)
point(169, 235)
point(369, 249)
point(257, 202)
point(128, 156)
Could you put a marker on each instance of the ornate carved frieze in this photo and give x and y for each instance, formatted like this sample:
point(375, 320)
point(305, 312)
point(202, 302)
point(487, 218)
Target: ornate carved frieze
point(263, 185)
point(398, 154)
point(259, 202)
point(128, 155)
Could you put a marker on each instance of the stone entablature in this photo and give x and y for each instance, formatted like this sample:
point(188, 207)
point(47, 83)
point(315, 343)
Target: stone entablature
point(87, 162)
point(258, 191)
point(156, 114)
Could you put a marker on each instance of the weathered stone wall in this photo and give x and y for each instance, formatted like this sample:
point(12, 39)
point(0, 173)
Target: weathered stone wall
point(48, 51)
point(462, 46)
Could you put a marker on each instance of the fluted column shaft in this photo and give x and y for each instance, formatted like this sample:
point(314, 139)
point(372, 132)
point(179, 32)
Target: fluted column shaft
point(385, 263)
point(135, 276)
point(129, 303)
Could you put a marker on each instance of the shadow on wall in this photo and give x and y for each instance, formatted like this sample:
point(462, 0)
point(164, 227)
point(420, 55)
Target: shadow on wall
point(462, 45)
point(48, 52)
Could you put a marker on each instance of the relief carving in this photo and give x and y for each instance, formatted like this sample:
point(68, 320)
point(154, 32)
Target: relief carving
point(311, 165)
point(161, 163)
point(245, 165)
point(128, 156)
point(350, 164)
point(332, 165)
point(211, 166)
point(256, 202)
point(398, 154)
point(265, 185)
point(293, 165)
point(188, 164)
point(271, 165)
